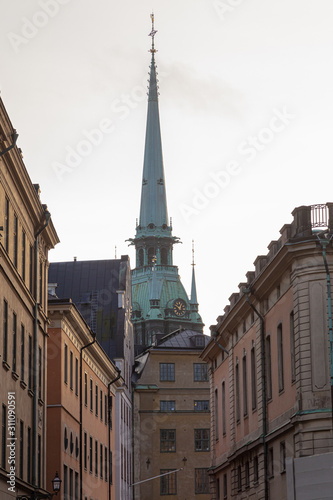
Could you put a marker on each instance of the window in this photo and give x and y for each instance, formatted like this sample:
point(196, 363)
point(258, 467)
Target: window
point(101, 459)
point(76, 486)
point(167, 372)
point(86, 389)
point(96, 458)
point(90, 454)
point(65, 438)
point(5, 331)
point(247, 474)
point(76, 377)
point(22, 352)
point(31, 260)
point(105, 463)
point(85, 451)
point(201, 481)
point(237, 392)
point(3, 437)
point(201, 405)
point(253, 379)
point(41, 283)
point(244, 386)
point(167, 405)
point(167, 440)
point(15, 240)
point(201, 439)
point(101, 404)
point(270, 463)
point(268, 367)
point(199, 341)
point(71, 370)
point(224, 420)
point(280, 357)
point(239, 478)
point(216, 419)
point(96, 400)
point(40, 372)
point(66, 364)
point(29, 456)
point(71, 485)
point(91, 395)
point(200, 372)
point(255, 470)
point(21, 450)
point(110, 468)
point(7, 225)
point(30, 364)
point(23, 255)
point(14, 341)
point(292, 347)
point(105, 409)
point(65, 480)
point(218, 495)
point(39, 460)
point(225, 486)
point(282, 456)
point(168, 482)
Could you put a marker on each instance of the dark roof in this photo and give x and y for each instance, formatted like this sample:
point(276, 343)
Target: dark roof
point(186, 339)
point(92, 286)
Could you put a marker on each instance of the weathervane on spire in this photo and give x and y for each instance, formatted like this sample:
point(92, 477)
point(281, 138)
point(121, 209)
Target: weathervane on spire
point(152, 34)
point(193, 264)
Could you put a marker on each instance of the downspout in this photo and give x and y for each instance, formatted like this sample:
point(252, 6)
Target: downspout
point(14, 139)
point(35, 361)
point(109, 423)
point(324, 244)
point(80, 402)
point(247, 291)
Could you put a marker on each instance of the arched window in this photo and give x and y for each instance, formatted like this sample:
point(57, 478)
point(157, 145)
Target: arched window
point(164, 256)
point(140, 258)
point(151, 254)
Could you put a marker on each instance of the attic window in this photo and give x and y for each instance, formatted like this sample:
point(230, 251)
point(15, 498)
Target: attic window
point(199, 341)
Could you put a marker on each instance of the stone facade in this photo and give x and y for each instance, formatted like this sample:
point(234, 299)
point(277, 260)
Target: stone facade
point(27, 235)
point(270, 364)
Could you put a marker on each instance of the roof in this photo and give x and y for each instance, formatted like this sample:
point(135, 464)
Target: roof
point(186, 339)
point(93, 287)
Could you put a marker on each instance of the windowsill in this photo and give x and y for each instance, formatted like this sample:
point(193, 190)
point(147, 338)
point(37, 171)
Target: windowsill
point(15, 376)
point(6, 365)
point(31, 393)
point(281, 392)
point(41, 402)
point(23, 384)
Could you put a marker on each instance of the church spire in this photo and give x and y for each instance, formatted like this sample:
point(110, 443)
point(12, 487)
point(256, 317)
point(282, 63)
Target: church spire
point(153, 208)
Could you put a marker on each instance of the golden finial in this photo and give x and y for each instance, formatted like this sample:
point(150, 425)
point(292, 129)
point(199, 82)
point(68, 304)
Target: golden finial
point(152, 34)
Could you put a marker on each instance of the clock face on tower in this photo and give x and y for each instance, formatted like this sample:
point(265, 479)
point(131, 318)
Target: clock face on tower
point(179, 307)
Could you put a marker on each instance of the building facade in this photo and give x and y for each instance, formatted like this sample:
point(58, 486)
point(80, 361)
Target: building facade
point(172, 419)
point(27, 235)
point(101, 291)
point(270, 360)
point(82, 386)
point(159, 300)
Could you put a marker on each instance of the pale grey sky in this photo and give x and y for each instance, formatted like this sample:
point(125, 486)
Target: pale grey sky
point(246, 119)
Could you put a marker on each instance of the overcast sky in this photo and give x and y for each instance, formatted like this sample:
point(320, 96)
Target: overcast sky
point(246, 119)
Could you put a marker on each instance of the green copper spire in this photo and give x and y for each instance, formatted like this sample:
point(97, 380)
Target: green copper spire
point(153, 196)
point(194, 300)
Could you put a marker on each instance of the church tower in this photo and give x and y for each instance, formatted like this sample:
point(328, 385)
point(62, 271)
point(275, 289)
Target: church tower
point(160, 304)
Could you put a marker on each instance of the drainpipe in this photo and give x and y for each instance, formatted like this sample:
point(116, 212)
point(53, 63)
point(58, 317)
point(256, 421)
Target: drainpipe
point(109, 422)
point(324, 243)
point(81, 452)
point(14, 139)
point(35, 361)
point(247, 291)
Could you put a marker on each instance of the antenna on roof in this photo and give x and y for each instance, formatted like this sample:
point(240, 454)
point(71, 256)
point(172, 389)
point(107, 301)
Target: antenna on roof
point(115, 251)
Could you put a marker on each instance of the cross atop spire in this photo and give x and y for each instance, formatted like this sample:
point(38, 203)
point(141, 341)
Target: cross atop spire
point(152, 34)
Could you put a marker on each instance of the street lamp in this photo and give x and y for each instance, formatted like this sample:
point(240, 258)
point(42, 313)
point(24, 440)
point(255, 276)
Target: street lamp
point(56, 483)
